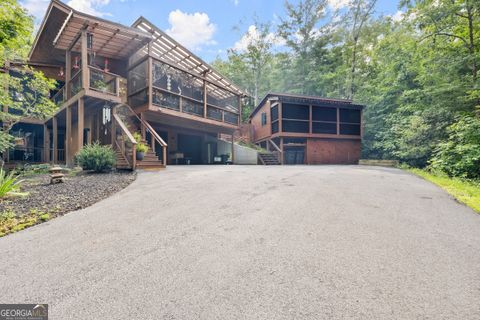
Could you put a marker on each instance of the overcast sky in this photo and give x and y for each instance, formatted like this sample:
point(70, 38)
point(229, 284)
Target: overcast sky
point(208, 28)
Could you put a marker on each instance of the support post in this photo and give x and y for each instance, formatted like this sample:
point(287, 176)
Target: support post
point(55, 139)
point(205, 99)
point(281, 152)
point(310, 119)
point(239, 110)
point(280, 117)
point(233, 147)
point(113, 133)
point(80, 123)
point(97, 126)
point(68, 74)
point(143, 130)
point(164, 155)
point(68, 136)
point(150, 78)
point(46, 144)
point(338, 121)
point(85, 69)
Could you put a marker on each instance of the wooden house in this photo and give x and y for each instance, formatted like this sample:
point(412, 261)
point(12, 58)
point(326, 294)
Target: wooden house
point(115, 80)
point(300, 129)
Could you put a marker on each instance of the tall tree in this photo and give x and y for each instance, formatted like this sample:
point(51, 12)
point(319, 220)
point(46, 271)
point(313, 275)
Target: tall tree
point(359, 13)
point(27, 92)
point(250, 60)
point(300, 30)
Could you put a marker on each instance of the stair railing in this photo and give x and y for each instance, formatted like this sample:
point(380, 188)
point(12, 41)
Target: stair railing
point(120, 142)
point(276, 150)
point(148, 128)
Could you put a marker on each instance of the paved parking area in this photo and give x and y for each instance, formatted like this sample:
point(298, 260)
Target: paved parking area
point(254, 242)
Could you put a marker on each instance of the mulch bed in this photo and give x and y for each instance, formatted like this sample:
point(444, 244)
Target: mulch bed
point(77, 192)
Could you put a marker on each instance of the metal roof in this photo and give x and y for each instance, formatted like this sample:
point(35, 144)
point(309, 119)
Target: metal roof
point(166, 48)
point(305, 99)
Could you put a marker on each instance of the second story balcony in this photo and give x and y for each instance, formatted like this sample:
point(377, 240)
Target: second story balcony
point(99, 82)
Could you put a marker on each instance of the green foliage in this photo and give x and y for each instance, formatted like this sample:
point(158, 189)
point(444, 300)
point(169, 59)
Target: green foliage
point(27, 90)
point(459, 154)
point(96, 157)
point(141, 147)
point(9, 184)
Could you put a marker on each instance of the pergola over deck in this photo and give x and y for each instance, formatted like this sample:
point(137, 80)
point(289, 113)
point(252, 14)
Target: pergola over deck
point(168, 80)
point(61, 29)
point(168, 50)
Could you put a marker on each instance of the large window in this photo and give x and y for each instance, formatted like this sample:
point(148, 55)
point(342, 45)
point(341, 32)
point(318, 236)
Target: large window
point(350, 122)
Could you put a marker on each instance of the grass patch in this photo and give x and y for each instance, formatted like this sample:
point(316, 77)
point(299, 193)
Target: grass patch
point(10, 222)
point(467, 192)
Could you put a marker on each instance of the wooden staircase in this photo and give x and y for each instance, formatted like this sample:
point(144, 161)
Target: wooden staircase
point(150, 161)
point(124, 123)
point(268, 159)
point(122, 163)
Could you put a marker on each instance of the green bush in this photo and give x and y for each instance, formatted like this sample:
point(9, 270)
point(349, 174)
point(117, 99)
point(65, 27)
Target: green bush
point(9, 184)
point(96, 157)
point(459, 155)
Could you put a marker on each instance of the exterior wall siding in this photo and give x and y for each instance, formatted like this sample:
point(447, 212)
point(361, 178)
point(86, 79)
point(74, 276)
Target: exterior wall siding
point(333, 151)
point(261, 132)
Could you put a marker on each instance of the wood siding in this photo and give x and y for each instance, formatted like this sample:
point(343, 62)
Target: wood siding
point(333, 151)
point(260, 132)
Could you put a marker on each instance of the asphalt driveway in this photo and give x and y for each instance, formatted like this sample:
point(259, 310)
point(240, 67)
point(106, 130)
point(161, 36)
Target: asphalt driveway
point(254, 242)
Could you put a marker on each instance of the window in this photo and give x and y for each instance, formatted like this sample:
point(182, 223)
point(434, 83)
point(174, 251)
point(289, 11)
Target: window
point(264, 118)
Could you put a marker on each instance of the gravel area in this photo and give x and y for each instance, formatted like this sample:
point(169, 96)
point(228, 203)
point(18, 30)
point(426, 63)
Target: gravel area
point(77, 192)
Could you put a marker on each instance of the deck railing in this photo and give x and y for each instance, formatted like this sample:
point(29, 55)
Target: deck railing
point(174, 101)
point(103, 81)
point(275, 149)
point(123, 141)
point(59, 97)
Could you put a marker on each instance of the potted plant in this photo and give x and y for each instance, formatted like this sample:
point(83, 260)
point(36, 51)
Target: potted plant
point(100, 85)
point(142, 148)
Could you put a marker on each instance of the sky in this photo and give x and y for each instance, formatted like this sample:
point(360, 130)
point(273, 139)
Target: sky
point(209, 27)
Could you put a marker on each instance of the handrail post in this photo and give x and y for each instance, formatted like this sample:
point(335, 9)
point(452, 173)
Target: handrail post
point(164, 155)
point(134, 156)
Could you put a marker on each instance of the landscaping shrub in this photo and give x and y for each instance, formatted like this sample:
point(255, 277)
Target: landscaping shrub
point(459, 155)
point(96, 157)
point(9, 184)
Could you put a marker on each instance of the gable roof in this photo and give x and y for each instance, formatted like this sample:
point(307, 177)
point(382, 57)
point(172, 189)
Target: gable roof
point(62, 25)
